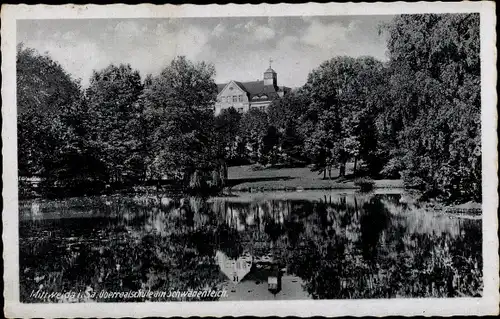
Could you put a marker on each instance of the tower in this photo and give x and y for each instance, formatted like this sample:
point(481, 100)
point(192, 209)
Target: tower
point(270, 77)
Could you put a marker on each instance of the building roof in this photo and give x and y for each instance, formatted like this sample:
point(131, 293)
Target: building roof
point(261, 274)
point(292, 288)
point(257, 91)
point(234, 268)
point(252, 88)
point(270, 70)
point(221, 87)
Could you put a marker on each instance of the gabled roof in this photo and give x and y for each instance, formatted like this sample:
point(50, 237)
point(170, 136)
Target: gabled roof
point(252, 88)
point(221, 87)
point(261, 274)
point(256, 89)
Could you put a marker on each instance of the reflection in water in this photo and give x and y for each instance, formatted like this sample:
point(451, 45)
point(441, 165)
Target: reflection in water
point(234, 269)
point(326, 247)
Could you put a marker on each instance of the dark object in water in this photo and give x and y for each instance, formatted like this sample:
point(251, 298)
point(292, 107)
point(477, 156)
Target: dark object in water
point(365, 184)
point(274, 282)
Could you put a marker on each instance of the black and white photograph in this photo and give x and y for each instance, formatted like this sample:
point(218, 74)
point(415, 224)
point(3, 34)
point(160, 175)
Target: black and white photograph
point(211, 159)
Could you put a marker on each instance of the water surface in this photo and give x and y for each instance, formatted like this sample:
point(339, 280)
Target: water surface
point(297, 245)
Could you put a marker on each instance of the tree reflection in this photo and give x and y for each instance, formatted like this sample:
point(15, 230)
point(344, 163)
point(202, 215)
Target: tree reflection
point(228, 241)
point(340, 246)
point(373, 222)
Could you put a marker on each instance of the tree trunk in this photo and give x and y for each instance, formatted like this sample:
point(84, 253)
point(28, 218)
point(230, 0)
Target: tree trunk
point(223, 173)
point(216, 178)
point(355, 164)
point(324, 173)
point(195, 180)
point(356, 207)
point(219, 174)
point(342, 170)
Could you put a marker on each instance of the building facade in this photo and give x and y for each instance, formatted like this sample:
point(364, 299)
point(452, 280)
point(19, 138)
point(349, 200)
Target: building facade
point(246, 95)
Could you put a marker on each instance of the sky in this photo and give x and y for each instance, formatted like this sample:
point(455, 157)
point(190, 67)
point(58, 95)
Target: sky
point(239, 47)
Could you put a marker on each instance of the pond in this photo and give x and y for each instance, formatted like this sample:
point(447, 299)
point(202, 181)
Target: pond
point(248, 246)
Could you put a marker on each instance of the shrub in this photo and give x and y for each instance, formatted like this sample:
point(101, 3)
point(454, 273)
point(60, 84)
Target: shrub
point(257, 167)
point(365, 184)
point(392, 168)
point(412, 181)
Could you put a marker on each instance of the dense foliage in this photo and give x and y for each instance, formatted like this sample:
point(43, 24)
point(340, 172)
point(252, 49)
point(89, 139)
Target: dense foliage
point(46, 96)
point(436, 102)
point(340, 123)
point(113, 118)
point(178, 113)
point(416, 117)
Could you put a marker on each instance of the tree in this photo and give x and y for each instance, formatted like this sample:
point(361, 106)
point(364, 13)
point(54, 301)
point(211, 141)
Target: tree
point(76, 165)
point(253, 128)
point(322, 145)
point(44, 92)
point(285, 115)
point(227, 125)
point(340, 121)
point(270, 146)
point(178, 107)
point(113, 120)
point(435, 86)
point(225, 143)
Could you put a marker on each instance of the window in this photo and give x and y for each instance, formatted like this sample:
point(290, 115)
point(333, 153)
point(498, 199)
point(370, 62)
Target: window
point(240, 109)
point(235, 98)
point(240, 98)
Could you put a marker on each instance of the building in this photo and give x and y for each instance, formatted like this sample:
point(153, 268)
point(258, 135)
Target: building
point(246, 95)
point(251, 279)
point(234, 269)
point(274, 281)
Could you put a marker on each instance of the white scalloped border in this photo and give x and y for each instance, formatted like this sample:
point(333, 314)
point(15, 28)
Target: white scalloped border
point(488, 304)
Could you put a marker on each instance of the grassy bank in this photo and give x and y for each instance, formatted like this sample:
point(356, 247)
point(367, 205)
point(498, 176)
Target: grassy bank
point(244, 178)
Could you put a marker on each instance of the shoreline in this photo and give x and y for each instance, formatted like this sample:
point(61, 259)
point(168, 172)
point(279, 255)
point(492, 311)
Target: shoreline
point(470, 210)
point(255, 187)
point(244, 182)
point(244, 178)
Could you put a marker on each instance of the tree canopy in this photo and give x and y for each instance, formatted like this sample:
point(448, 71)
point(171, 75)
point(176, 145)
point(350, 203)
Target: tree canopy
point(46, 95)
point(415, 117)
point(178, 107)
point(113, 118)
point(339, 123)
point(435, 89)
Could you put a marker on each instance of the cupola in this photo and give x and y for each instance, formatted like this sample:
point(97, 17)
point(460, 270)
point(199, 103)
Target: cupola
point(270, 76)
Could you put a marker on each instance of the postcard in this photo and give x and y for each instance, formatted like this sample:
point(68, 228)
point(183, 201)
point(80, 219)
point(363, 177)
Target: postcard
point(229, 160)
